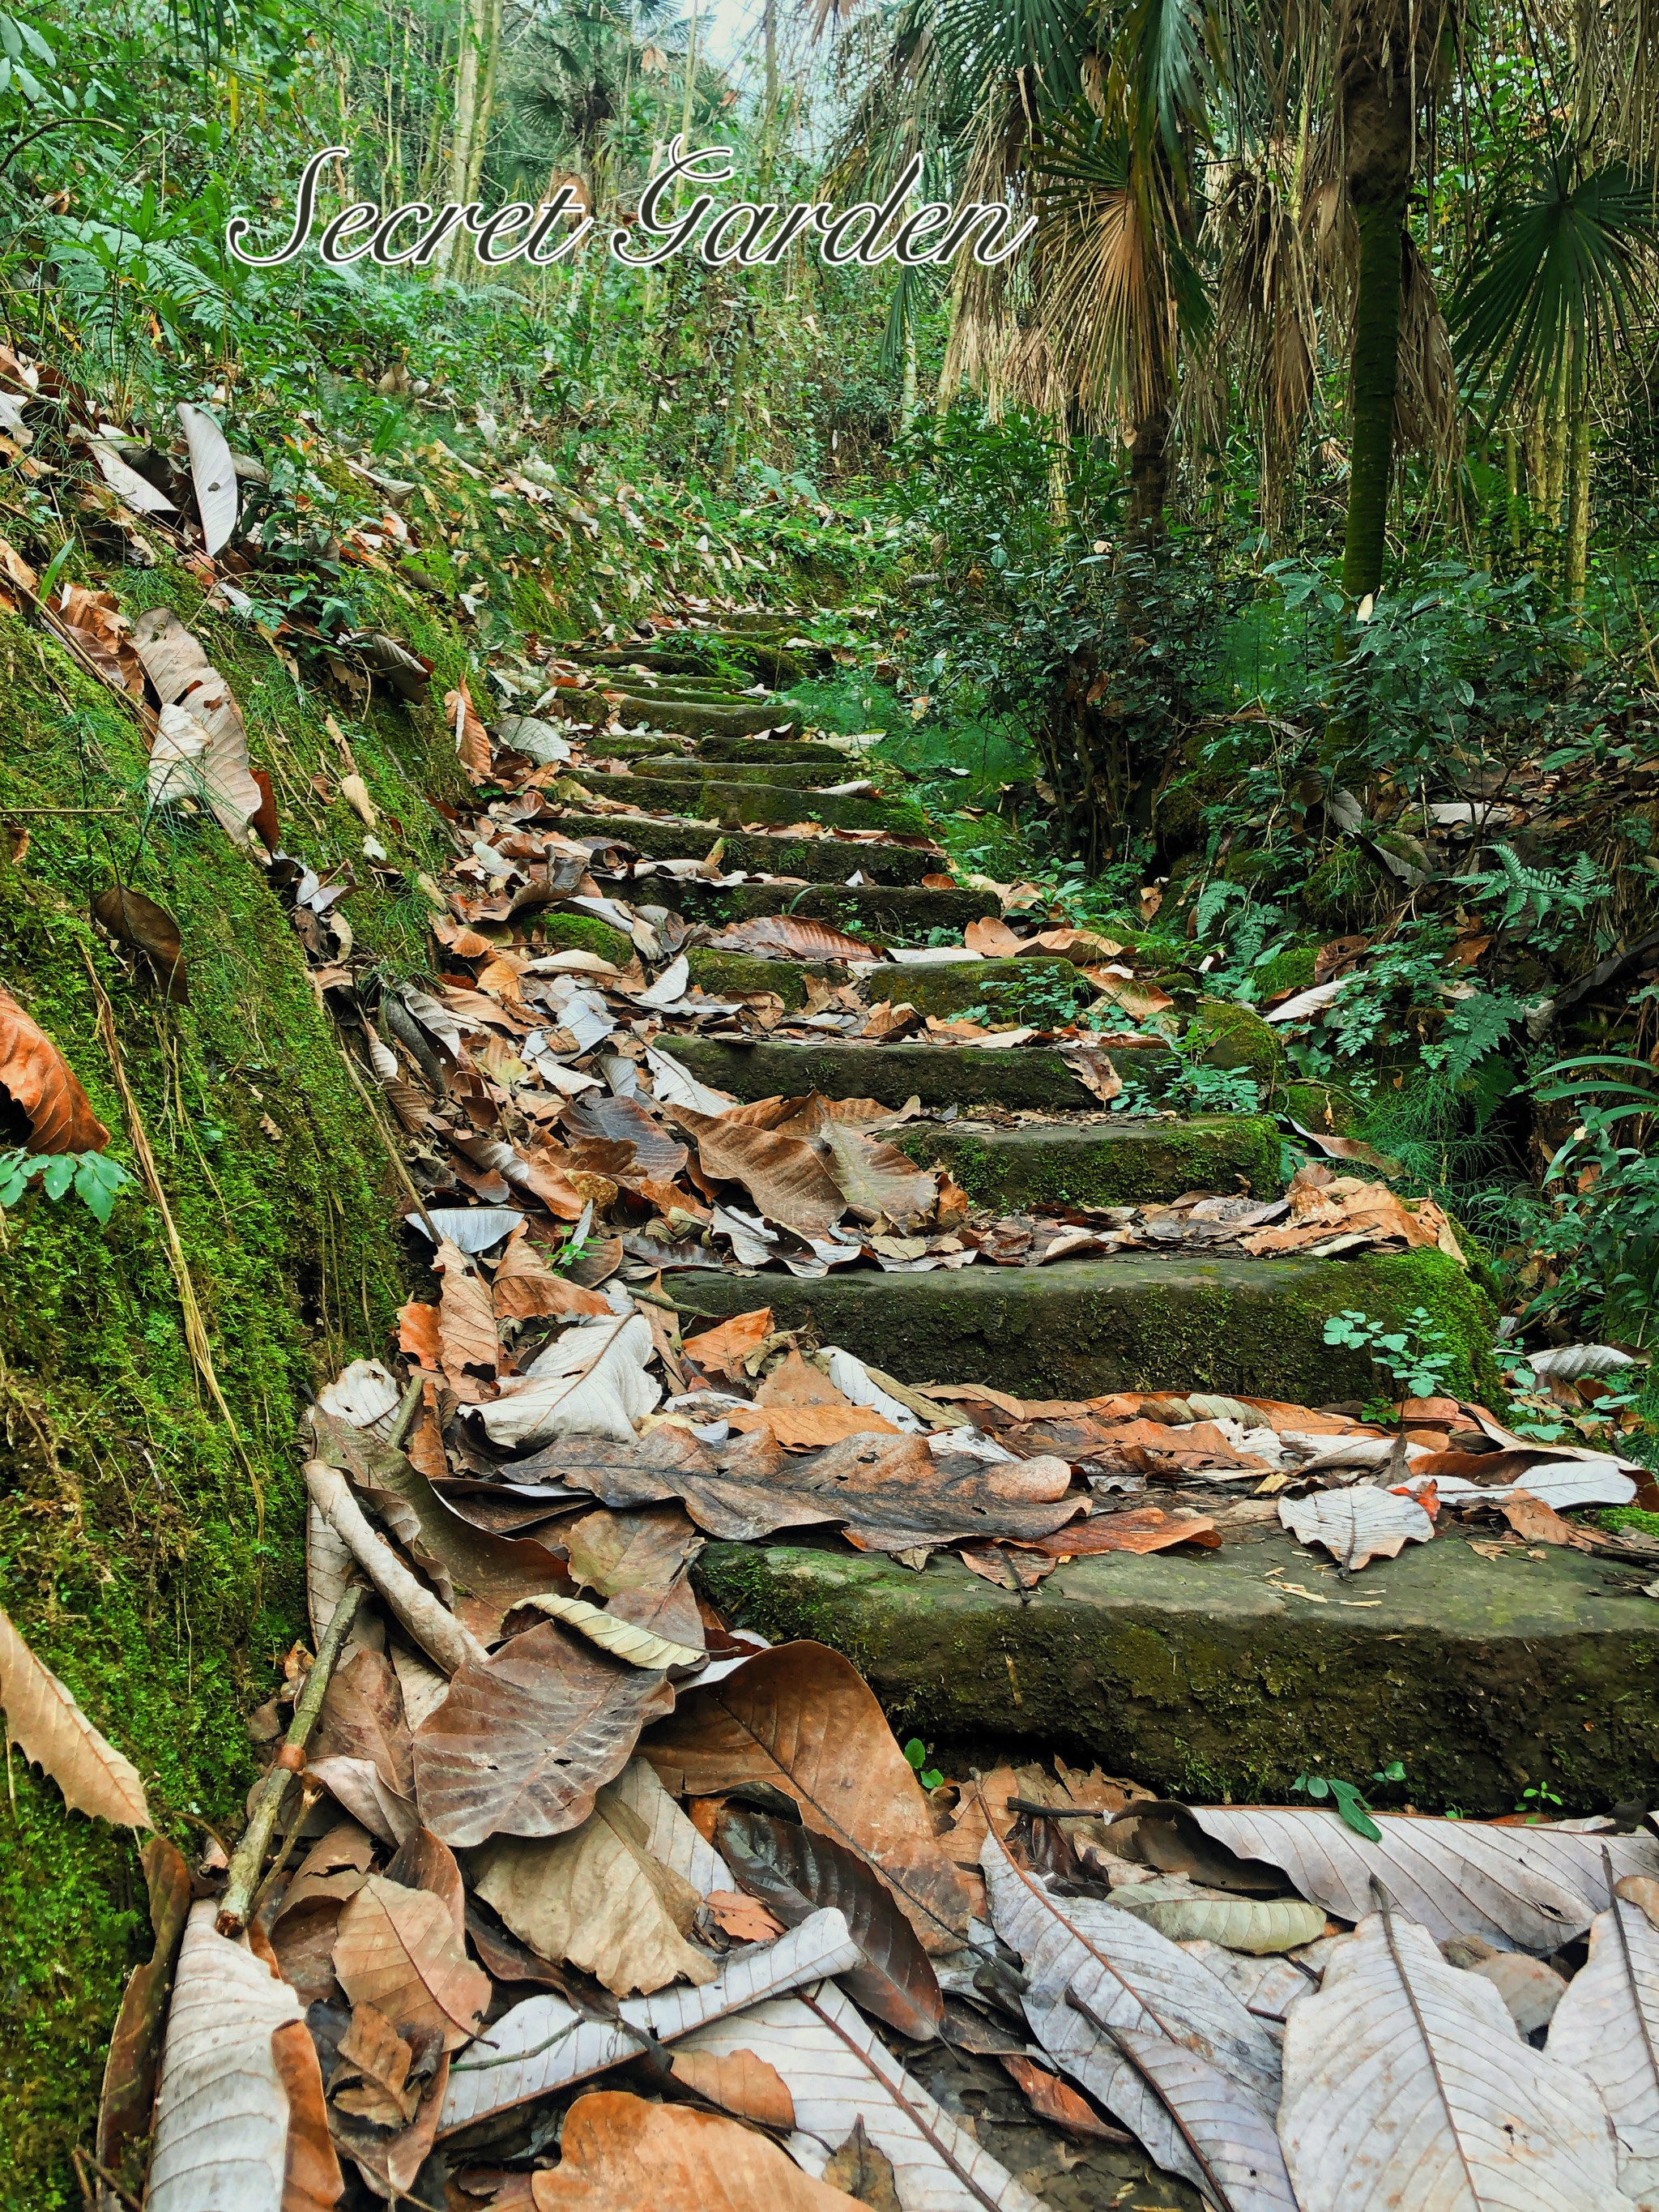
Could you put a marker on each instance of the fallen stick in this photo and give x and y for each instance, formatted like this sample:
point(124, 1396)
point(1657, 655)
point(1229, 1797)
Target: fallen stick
point(444, 1639)
point(249, 1856)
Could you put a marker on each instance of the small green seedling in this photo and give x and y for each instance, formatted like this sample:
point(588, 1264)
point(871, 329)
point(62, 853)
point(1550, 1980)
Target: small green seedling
point(1350, 1804)
point(916, 1751)
point(1542, 1803)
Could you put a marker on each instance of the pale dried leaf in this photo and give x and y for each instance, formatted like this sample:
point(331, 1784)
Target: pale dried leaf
point(222, 2112)
point(1231, 2138)
point(598, 1898)
point(545, 2044)
point(213, 474)
point(1520, 1888)
point(397, 1949)
point(1259, 1925)
point(591, 1380)
point(1407, 2084)
point(839, 2071)
point(44, 1719)
point(1357, 1524)
point(1606, 2024)
point(640, 1647)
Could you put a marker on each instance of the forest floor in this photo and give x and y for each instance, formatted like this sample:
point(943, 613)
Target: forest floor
point(807, 1341)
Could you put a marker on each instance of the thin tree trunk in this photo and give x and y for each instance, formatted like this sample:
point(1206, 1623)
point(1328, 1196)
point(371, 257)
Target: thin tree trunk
point(1374, 376)
point(486, 99)
point(1578, 503)
point(480, 35)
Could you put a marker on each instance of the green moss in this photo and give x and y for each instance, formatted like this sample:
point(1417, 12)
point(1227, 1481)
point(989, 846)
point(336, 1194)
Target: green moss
point(1102, 1163)
point(129, 1551)
point(1629, 1516)
point(1319, 1106)
point(584, 933)
point(1289, 970)
point(1345, 890)
point(1228, 1035)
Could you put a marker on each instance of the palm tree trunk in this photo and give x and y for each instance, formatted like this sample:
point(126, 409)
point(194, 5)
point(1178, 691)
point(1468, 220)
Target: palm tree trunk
point(1375, 374)
point(1149, 468)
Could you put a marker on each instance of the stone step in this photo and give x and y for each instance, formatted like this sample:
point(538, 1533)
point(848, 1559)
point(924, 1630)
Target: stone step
point(808, 775)
point(872, 911)
point(1196, 1674)
point(694, 720)
point(774, 804)
point(1136, 1321)
point(819, 859)
point(1028, 1076)
point(1104, 1163)
point(1044, 992)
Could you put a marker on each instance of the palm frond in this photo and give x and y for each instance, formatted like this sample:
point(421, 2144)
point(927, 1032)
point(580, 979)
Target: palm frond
point(1565, 273)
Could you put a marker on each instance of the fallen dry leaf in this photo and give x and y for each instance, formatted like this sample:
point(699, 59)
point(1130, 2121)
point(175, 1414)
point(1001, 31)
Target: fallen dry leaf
point(723, 1350)
point(188, 684)
point(40, 1083)
point(991, 939)
point(786, 1178)
point(396, 1949)
point(468, 1346)
point(598, 1898)
point(1357, 1524)
point(790, 937)
point(472, 738)
point(524, 1740)
point(44, 1720)
point(742, 1918)
point(127, 2099)
point(619, 2150)
point(802, 1718)
point(1055, 2101)
point(525, 1287)
point(740, 2083)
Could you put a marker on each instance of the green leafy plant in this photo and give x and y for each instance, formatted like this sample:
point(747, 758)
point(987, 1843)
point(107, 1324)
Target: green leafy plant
point(1414, 1356)
point(916, 1751)
point(1543, 901)
point(1541, 1804)
point(1349, 1804)
point(94, 1177)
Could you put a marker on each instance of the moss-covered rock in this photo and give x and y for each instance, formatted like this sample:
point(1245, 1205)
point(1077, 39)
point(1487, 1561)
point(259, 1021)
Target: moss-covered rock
point(1101, 1163)
point(1195, 1673)
point(1347, 890)
point(939, 1075)
point(586, 933)
point(1289, 970)
point(819, 859)
point(774, 804)
point(1224, 1035)
point(1132, 1322)
point(1322, 1107)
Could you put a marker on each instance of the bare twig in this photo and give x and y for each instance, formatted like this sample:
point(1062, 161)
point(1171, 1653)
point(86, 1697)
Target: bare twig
point(250, 1854)
point(444, 1638)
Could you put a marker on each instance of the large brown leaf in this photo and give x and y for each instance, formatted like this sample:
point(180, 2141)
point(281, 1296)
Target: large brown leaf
point(888, 1490)
point(41, 1088)
point(619, 2150)
point(741, 2084)
point(303, 1929)
point(152, 933)
point(878, 1181)
point(133, 2066)
point(43, 1718)
point(786, 1178)
point(361, 1750)
point(522, 1742)
point(795, 1871)
point(723, 1349)
point(802, 1718)
point(184, 677)
point(397, 1949)
point(791, 936)
point(599, 1899)
point(525, 1287)
point(467, 1342)
point(614, 1553)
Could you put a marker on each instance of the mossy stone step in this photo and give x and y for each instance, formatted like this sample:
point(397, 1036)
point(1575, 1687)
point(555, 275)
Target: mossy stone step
point(1043, 986)
point(694, 720)
point(1135, 1322)
point(774, 804)
point(1101, 1163)
point(937, 1074)
point(808, 775)
point(819, 859)
point(1197, 1674)
point(872, 911)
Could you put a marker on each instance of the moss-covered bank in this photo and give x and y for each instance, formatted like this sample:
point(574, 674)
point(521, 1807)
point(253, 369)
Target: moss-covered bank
point(128, 1548)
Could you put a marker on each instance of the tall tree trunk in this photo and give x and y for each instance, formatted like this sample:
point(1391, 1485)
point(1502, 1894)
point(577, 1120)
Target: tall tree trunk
point(1382, 68)
point(1373, 378)
point(1149, 468)
point(1578, 501)
point(475, 78)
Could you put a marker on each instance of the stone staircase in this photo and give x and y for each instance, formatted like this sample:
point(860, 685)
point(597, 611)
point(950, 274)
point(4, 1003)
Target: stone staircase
point(1226, 1672)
